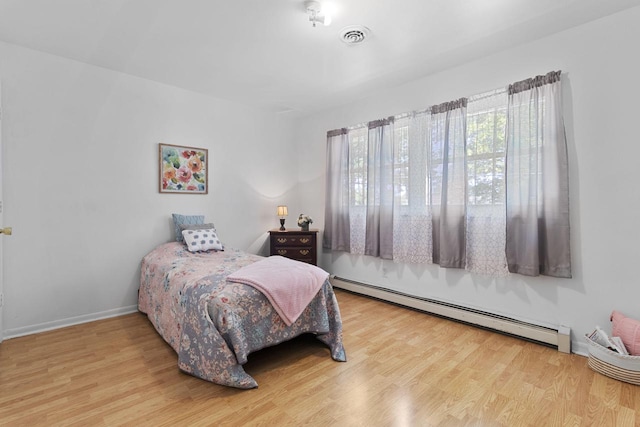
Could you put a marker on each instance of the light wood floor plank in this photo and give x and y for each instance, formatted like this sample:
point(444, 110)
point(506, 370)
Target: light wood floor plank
point(404, 368)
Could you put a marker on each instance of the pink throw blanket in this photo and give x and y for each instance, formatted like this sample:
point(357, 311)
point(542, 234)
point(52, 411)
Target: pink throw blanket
point(289, 285)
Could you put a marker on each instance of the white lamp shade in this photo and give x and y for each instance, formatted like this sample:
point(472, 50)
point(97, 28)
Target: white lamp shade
point(282, 211)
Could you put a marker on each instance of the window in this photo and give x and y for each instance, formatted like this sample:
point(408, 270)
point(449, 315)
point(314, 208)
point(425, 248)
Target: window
point(401, 163)
point(358, 166)
point(486, 156)
point(441, 189)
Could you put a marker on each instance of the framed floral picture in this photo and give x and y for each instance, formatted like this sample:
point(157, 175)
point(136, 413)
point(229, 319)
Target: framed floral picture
point(183, 170)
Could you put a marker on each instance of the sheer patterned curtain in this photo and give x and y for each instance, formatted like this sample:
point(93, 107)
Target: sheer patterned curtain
point(486, 212)
point(412, 222)
point(447, 175)
point(537, 179)
point(336, 214)
point(358, 166)
point(380, 189)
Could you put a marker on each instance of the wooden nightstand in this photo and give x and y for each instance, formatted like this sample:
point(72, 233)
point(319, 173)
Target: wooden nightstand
point(295, 244)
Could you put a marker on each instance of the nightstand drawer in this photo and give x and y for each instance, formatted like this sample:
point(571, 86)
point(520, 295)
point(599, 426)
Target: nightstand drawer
point(294, 244)
point(295, 253)
point(294, 240)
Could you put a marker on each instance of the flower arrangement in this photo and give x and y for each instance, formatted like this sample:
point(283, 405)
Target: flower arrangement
point(304, 221)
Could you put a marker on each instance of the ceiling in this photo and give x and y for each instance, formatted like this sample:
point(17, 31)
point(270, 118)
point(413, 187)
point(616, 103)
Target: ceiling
point(265, 53)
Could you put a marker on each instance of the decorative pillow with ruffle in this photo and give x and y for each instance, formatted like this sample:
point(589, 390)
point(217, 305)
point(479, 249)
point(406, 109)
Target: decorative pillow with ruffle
point(628, 330)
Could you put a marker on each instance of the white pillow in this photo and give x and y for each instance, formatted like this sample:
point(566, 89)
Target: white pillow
point(201, 240)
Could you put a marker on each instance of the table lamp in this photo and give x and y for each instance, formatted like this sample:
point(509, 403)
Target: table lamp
point(282, 212)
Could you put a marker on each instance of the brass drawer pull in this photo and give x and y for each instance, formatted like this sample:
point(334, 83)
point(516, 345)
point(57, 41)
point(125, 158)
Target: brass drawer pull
point(282, 251)
point(305, 240)
point(304, 252)
point(282, 240)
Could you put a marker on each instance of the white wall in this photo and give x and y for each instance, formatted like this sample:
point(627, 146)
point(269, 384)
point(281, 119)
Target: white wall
point(80, 147)
point(80, 151)
point(601, 98)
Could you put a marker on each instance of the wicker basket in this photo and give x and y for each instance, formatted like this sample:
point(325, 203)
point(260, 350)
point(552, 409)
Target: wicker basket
point(615, 365)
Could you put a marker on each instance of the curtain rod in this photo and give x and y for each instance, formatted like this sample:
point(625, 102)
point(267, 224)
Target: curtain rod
point(472, 98)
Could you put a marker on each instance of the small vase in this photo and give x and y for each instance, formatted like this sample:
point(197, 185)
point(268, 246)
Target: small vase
point(304, 227)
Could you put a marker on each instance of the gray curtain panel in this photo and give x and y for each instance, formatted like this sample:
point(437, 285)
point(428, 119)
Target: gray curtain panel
point(448, 182)
point(379, 216)
point(337, 233)
point(537, 182)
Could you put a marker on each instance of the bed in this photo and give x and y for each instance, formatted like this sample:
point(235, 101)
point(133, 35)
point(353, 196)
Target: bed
point(214, 324)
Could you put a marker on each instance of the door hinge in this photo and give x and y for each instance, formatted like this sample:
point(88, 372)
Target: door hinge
point(1, 299)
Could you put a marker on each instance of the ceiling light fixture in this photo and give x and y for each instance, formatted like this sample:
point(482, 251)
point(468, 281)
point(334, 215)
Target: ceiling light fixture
point(314, 10)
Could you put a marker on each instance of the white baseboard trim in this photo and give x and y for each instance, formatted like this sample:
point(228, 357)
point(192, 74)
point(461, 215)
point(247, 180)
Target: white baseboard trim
point(581, 348)
point(63, 323)
point(559, 336)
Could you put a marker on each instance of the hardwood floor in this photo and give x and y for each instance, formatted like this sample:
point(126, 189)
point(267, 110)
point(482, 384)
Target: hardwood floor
point(404, 368)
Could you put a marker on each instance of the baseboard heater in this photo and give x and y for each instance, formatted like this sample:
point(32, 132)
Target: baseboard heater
point(559, 337)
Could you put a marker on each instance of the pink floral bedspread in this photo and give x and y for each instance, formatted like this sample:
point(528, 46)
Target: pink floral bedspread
point(213, 325)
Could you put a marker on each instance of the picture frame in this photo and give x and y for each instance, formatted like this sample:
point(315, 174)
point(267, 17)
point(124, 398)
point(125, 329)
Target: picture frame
point(183, 170)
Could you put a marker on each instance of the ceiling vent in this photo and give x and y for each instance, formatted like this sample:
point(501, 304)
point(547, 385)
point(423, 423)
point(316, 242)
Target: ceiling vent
point(354, 34)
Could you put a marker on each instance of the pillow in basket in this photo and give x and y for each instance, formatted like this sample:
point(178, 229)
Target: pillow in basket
point(628, 330)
